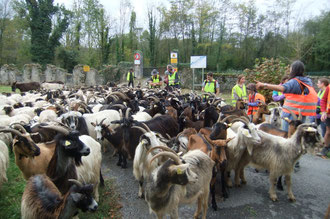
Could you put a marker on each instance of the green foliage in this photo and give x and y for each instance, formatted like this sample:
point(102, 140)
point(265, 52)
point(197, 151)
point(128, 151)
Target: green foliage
point(12, 191)
point(267, 71)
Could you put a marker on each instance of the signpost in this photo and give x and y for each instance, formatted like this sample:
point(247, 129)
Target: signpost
point(138, 64)
point(197, 62)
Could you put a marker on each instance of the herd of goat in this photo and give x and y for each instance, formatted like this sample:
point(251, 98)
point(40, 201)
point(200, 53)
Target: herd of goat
point(177, 142)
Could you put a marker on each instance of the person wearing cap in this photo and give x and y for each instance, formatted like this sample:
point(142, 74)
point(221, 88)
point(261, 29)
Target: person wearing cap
point(254, 99)
point(130, 77)
point(239, 90)
point(155, 81)
point(173, 77)
point(211, 85)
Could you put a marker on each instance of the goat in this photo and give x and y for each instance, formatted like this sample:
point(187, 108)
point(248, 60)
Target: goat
point(244, 136)
point(179, 180)
point(275, 114)
point(23, 87)
point(278, 155)
point(52, 86)
point(148, 140)
point(259, 117)
point(4, 162)
point(42, 199)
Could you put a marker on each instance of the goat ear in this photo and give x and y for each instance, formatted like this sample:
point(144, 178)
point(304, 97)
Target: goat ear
point(93, 124)
point(76, 197)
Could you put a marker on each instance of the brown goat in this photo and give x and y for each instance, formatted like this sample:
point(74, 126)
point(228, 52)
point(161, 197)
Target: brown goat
point(259, 117)
point(172, 112)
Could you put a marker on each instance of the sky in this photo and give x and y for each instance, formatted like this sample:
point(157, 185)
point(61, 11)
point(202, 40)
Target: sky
point(303, 9)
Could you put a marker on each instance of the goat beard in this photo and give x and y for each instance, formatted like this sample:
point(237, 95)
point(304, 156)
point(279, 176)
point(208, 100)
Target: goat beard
point(77, 160)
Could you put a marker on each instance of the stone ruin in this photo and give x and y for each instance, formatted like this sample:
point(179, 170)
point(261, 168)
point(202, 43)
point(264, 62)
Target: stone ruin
point(9, 74)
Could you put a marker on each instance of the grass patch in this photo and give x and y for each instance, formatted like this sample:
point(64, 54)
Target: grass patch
point(6, 89)
point(12, 191)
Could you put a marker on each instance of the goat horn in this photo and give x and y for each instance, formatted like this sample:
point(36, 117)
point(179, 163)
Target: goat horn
point(121, 106)
point(120, 94)
point(102, 121)
point(56, 128)
point(164, 148)
point(174, 157)
point(147, 128)
point(246, 119)
point(142, 129)
point(228, 117)
point(274, 103)
point(240, 120)
point(74, 181)
point(294, 116)
point(216, 102)
point(18, 126)
point(120, 113)
point(12, 131)
point(168, 136)
point(300, 115)
point(127, 112)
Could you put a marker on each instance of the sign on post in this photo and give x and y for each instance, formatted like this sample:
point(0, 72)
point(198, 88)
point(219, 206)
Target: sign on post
point(197, 61)
point(86, 68)
point(174, 58)
point(137, 59)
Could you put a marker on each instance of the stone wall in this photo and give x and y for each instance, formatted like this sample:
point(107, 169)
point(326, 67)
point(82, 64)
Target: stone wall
point(9, 74)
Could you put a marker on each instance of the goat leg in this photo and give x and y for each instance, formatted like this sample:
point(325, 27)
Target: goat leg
point(124, 163)
point(212, 189)
point(288, 184)
point(279, 184)
point(199, 207)
point(223, 184)
point(141, 192)
point(272, 192)
point(120, 159)
point(228, 180)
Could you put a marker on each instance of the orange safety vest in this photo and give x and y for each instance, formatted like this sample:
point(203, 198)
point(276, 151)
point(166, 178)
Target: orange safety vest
point(306, 103)
point(328, 102)
point(253, 109)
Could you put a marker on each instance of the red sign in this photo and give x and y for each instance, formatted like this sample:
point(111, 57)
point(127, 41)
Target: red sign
point(137, 56)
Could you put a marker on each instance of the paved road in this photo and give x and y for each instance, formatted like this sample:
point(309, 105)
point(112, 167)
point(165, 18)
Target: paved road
point(311, 187)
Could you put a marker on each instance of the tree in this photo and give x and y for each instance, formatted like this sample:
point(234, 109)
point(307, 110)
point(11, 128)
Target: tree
point(5, 11)
point(152, 36)
point(132, 33)
point(44, 37)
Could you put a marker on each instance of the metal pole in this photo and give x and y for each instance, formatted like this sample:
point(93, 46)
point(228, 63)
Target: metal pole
point(193, 79)
point(202, 75)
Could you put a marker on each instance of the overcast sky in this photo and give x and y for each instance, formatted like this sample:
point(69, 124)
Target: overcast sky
point(303, 8)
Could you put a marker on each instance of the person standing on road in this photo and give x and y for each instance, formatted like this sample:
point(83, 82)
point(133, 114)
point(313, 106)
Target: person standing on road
point(325, 117)
point(211, 85)
point(130, 77)
point(299, 94)
point(322, 84)
point(155, 81)
point(239, 90)
point(254, 100)
point(173, 77)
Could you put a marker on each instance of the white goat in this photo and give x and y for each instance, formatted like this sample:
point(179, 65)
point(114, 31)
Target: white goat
point(141, 160)
point(245, 136)
point(176, 182)
point(278, 155)
point(4, 162)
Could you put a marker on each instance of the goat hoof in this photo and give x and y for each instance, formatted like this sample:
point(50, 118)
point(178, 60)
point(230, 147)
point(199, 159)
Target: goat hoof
point(124, 166)
point(118, 163)
point(237, 185)
point(225, 195)
point(292, 199)
point(243, 182)
point(274, 199)
point(215, 207)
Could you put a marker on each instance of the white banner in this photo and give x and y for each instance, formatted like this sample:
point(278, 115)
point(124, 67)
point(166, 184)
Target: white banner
point(197, 61)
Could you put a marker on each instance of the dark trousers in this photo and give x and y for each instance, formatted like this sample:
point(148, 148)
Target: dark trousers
point(130, 82)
